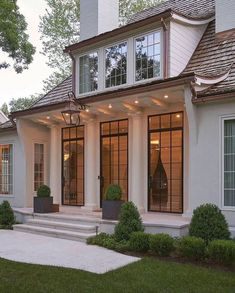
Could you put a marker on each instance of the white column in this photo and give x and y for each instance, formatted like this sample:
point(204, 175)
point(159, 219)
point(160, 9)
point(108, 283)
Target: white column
point(55, 158)
point(91, 170)
point(137, 163)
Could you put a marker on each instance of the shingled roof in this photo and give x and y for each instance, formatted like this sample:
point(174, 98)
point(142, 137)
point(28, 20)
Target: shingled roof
point(195, 9)
point(212, 59)
point(8, 125)
point(56, 95)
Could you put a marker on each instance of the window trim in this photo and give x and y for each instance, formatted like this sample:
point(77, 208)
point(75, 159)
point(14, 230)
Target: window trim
point(221, 167)
point(44, 163)
point(160, 30)
point(78, 71)
point(10, 195)
point(104, 88)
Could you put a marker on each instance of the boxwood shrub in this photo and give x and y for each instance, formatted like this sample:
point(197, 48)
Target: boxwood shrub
point(7, 218)
point(191, 247)
point(129, 221)
point(209, 223)
point(162, 244)
point(139, 242)
point(113, 192)
point(222, 251)
point(44, 191)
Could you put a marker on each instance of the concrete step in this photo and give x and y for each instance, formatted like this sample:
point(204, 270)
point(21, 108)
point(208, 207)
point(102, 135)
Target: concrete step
point(62, 226)
point(64, 234)
point(71, 219)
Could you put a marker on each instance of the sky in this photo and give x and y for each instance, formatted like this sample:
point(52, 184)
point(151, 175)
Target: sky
point(13, 85)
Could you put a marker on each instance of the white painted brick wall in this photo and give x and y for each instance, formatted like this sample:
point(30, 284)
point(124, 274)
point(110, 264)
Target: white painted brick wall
point(225, 15)
point(97, 17)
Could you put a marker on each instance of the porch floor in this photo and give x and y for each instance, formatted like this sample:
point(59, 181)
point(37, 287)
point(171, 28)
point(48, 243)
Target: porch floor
point(78, 213)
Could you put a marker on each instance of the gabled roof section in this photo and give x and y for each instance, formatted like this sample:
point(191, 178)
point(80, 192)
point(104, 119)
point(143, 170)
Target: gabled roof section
point(7, 126)
point(56, 95)
point(213, 59)
point(195, 9)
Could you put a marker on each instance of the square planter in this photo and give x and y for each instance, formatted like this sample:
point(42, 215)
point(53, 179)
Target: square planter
point(43, 204)
point(111, 209)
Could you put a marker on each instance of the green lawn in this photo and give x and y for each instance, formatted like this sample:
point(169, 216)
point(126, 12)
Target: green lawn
point(147, 275)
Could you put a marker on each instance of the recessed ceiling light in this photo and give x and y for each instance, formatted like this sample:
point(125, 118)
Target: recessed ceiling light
point(48, 117)
point(87, 110)
point(136, 102)
point(166, 96)
point(110, 106)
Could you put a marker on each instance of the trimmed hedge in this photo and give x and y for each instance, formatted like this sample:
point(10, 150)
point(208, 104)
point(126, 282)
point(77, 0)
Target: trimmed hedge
point(162, 244)
point(222, 251)
point(192, 247)
point(139, 242)
point(113, 192)
point(209, 223)
point(44, 191)
point(7, 218)
point(109, 242)
point(129, 222)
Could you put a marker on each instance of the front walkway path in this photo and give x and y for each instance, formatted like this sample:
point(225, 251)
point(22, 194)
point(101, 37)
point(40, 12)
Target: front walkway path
point(36, 249)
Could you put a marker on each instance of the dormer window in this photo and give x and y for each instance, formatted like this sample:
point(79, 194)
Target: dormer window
point(88, 73)
point(148, 56)
point(116, 65)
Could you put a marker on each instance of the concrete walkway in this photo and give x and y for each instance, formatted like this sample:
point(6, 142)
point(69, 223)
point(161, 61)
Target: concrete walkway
point(36, 249)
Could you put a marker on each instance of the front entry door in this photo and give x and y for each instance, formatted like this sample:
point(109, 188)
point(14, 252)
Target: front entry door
point(114, 156)
point(166, 163)
point(73, 166)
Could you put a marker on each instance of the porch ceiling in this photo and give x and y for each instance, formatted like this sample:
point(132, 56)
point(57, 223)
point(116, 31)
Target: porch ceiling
point(157, 100)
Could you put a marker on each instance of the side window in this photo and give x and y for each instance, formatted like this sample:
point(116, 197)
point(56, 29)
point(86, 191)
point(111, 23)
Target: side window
point(38, 165)
point(6, 169)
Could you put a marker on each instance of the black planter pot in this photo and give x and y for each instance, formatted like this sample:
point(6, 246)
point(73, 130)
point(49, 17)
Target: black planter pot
point(43, 204)
point(111, 209)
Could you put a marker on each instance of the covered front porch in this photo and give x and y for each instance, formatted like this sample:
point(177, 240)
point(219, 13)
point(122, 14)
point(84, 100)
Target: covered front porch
point(138, 140)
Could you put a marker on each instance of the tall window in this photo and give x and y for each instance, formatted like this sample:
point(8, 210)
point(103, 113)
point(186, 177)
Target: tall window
point(38, 165)
point(229, 163)
point(116, 65)
point(166, 163)
point(148, 56)
point(6, 169)
point(88, 73)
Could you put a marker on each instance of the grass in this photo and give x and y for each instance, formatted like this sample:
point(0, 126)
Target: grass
point(147, 275)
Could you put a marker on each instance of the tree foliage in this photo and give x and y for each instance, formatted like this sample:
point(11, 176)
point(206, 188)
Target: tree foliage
point(60, 27)
point(13, 37)
point(4, 109)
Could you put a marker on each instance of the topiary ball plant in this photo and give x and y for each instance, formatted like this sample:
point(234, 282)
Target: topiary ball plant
point(7, 218)
point(209, 223)
point(44, 191)
point(129, 221)
point(113, 192)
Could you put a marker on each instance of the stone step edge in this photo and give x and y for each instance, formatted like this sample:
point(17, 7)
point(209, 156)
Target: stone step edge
point(63, 225)
point(54, 232)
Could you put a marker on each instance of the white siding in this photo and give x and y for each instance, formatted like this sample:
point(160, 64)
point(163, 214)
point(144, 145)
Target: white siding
point(206, 157)
point(225, 15)
point(183, 42)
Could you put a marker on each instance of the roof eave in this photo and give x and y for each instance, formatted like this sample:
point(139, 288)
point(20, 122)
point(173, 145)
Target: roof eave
point(123, 29)
point(218, 97)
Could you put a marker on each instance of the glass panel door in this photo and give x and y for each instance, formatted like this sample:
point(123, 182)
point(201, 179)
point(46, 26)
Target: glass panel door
point(114, 156)
point(166, 163)
point(73, 166)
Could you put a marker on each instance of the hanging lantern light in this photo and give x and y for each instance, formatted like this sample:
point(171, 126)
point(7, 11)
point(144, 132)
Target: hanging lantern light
point(71, 115)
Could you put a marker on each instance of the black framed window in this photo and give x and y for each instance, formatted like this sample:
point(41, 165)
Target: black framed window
point(38, 165)
point(73, 166)
point(6, 169)
point(114, 156)
point(165, 140)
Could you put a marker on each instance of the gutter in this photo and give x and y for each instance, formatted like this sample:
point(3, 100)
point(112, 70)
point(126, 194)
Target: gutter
point(219, 97)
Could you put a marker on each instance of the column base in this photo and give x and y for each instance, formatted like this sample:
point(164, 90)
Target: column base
point(91, 208)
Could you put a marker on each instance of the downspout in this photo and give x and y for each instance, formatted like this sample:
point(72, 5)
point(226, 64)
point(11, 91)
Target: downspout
point(73, 72)
point(165, 48)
